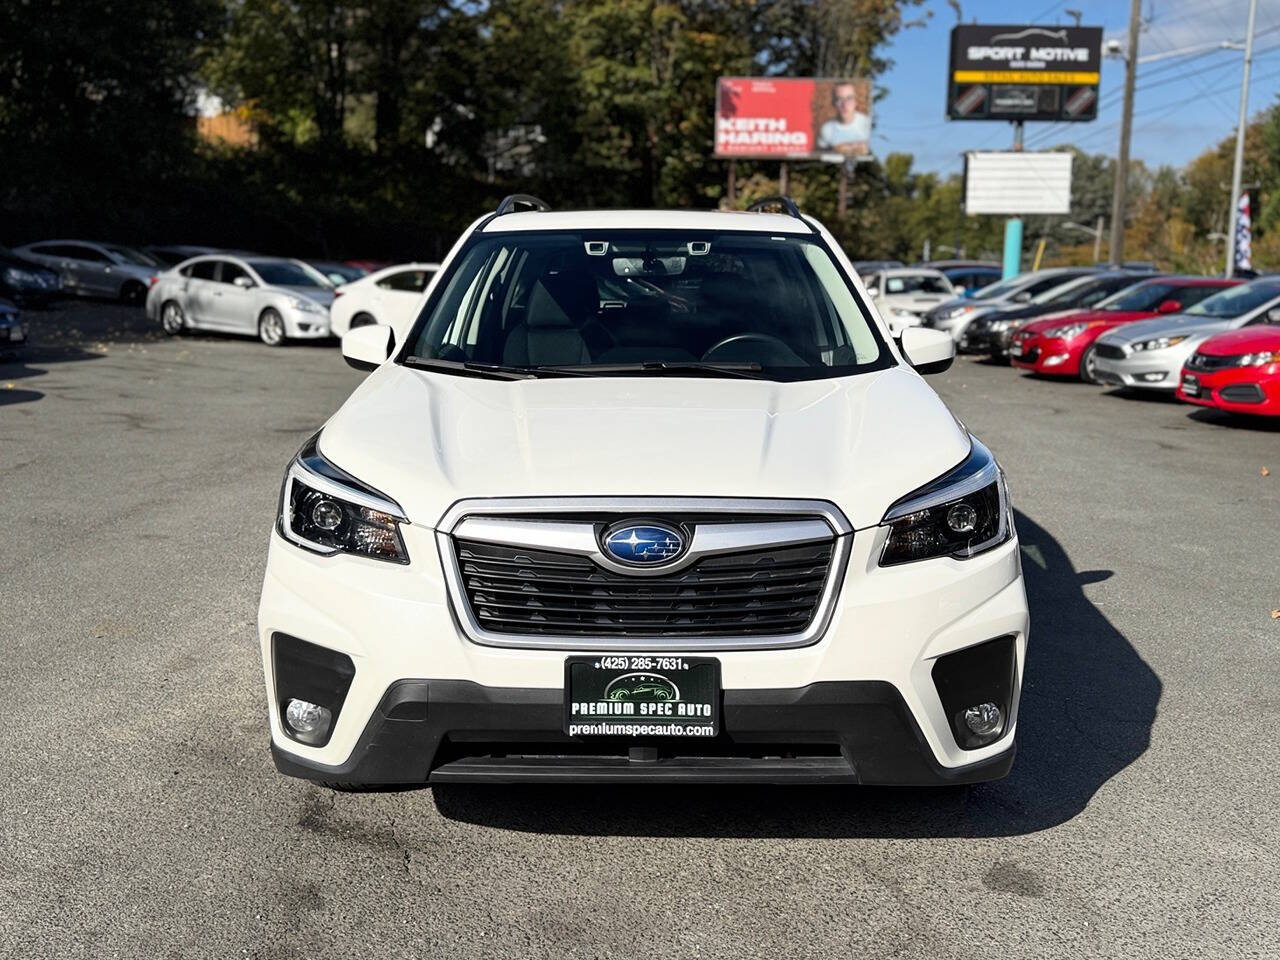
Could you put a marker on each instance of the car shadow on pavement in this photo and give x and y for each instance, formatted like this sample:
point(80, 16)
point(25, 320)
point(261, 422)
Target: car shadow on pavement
point(1238, 421)
point(28, 363)
point(1088, 704)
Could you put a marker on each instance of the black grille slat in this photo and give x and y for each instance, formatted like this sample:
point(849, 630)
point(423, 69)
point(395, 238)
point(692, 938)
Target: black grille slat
point(1109, 352)
point(760, 592)
point(1205, 361)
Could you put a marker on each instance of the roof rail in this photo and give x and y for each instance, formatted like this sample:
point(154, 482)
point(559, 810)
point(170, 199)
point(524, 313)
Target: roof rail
point(516, 201)
point(786, 203)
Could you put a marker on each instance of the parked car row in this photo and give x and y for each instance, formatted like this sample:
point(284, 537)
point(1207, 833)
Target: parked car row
point(278, 299)
point(1208, 340)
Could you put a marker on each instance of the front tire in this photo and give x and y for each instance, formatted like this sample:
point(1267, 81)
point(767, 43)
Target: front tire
point(271, 328)
point(172, 318)
point(1088, 364)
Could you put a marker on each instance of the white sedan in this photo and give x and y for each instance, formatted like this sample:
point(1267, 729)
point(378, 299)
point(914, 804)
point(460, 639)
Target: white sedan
point(390, 296)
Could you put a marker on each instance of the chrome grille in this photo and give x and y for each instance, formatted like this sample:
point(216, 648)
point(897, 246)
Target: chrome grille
point(537, 573)
point(763, 592)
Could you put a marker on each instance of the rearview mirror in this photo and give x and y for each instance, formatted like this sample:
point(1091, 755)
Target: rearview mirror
point(928, 350)
point(368, 347)
point(1169, 306)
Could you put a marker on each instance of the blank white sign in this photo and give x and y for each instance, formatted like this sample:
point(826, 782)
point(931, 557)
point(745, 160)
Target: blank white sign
point(1006, 182)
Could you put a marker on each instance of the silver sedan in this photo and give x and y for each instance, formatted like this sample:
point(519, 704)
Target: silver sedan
point(271, 297)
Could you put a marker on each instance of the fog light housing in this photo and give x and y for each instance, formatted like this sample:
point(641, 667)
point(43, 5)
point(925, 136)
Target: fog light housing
point(1155, 377)
point(977, 686)
point(311, 686)
point(307, 722)
point(1055, 360)
point(984, 719)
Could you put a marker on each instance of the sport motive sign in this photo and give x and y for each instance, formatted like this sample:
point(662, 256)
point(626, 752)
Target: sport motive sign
point(783, 118)
point(1024, 72)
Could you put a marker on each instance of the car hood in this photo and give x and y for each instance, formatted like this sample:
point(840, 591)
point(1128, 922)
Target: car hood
point(428, 440)
point(318, 294)
point(1167, 325)
point(1245, 340)
point(1087, 316)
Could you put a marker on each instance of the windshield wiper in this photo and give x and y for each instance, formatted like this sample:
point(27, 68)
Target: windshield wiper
point(471, 366)
point(498, 370)
point(747, 370)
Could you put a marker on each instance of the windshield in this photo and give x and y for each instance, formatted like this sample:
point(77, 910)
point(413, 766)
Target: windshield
point(917, 283)
point(129, 255)
point(997, 290)
point(1237, 301)
point(1073, 294)
point(649, 301)
point(283, 273)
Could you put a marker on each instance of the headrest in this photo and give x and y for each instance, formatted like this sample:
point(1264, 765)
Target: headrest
point(566, 298)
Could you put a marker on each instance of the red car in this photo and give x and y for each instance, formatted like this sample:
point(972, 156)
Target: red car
point(1062, 346)
point(1237, 371)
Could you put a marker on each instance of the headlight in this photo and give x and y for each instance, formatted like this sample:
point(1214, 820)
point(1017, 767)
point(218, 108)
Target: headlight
point(19, 277)
point(955, 312)
point(306, 305)
point(1066, 331)
point(325, 509)
point(1258, 359)
point(1158, 344)
point(961, 514)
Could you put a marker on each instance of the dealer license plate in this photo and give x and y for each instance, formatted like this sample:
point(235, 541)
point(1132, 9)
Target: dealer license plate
point(641, 695)
point(1190, 386)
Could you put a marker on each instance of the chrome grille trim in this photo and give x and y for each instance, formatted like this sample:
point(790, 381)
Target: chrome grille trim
point(515, 522)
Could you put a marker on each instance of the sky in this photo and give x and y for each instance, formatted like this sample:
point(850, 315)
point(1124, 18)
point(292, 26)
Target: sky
point(1182, 104)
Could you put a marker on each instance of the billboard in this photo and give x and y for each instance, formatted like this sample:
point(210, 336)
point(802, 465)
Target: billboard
point(1014, 183)
point(784, 118)
point(1024, 72)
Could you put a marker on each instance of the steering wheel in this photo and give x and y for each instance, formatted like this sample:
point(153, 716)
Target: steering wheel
point(768, 340)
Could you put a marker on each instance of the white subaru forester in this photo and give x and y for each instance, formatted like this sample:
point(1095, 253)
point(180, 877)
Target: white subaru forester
point(644, 496)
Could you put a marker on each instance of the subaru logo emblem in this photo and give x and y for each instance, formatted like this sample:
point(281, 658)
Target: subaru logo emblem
point(642, 544)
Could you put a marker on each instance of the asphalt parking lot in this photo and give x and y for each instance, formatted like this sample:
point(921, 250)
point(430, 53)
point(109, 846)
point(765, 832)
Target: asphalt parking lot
point(140, 815)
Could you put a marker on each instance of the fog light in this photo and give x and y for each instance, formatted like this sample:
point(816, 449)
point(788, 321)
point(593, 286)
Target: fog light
point(984, 720)
point(1056, 359)
point(1152, 377)
point(308, 722)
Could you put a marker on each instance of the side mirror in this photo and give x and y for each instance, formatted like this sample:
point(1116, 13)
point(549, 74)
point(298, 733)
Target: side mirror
point(368, 347)
point(959, 290)
point(243, 282)
point(1273, 315)
point(1022, 297)
point(1169, 306)
point(929, 351)
point(873, 291)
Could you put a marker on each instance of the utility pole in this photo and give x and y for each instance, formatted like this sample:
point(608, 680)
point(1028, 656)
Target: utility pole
point(1097, 241)
point(1126, 130)
point(1238, 168)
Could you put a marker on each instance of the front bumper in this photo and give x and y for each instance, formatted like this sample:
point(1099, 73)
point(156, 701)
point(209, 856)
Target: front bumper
point(1152, 370)
point(871, 672)
point(1050, 356)
point(452, 731)
point(305, 324)
point(1252, 390)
